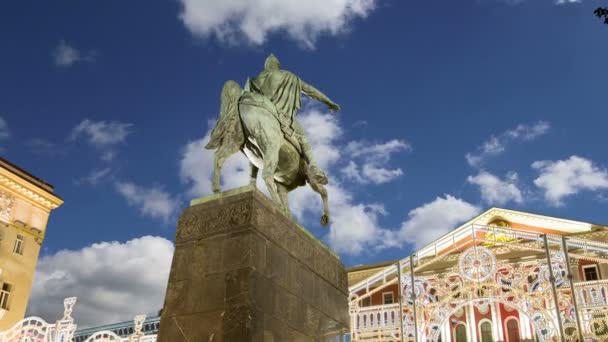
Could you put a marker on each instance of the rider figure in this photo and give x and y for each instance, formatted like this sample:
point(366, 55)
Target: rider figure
point(284, 89)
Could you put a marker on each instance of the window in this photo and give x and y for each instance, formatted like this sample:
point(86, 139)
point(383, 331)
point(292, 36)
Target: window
point(590, 272)
point(513, 330)
point(5, 293)
point(387, 298)
point(460, 333)
point(367, 301)
point(18, 248)
point(486, 331)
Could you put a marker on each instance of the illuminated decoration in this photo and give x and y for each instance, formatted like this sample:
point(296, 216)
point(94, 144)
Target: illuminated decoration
point(497, 237)
point(477, 263)
point(459, 277)
point(35, 329)
point(419, 290)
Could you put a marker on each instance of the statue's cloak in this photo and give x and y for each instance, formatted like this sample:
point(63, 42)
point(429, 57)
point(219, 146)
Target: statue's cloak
point(286, 94)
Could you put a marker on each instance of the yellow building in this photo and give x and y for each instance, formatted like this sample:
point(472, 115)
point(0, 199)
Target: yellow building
point(25, 204)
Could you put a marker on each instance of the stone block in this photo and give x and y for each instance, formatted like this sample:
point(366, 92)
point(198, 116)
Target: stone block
point(243, 271)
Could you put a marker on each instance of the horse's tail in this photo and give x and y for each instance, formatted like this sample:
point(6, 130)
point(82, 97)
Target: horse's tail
point(228, 117)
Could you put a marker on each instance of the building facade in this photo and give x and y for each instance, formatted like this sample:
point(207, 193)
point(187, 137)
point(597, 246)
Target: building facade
point(503, 276)
point(25, 205)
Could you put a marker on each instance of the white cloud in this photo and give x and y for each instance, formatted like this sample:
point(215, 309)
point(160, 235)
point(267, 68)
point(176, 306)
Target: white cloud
point(495, 190)
point(563, 178)
point(95, 176)
point(374, 158)
point(46, 148)
point(252, 21)
point(498, 144)
point(196, 169)
point(103, 135)
point(354, 226)
point(65, 55)
point(380, 152)
point(113, 281)
point(323, 131)
point(151, 201)
point(435, 219)
point(4, 131)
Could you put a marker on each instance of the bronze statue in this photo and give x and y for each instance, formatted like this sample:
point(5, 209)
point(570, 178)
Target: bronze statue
point(260, 120)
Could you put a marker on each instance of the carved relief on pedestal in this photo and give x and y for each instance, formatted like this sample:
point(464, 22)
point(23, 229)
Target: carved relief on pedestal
point(6, 206)
point(196, 223)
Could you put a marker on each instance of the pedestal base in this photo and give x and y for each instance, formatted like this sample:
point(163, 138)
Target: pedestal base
point(242, 271)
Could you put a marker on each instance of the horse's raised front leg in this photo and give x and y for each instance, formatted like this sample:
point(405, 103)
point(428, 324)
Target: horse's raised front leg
point(320, 189)
point(283, 194)
point(253, 175)
point(270, 150)
point(221, 154)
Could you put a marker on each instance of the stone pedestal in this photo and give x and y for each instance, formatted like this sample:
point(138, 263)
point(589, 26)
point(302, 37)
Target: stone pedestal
point(242, 271)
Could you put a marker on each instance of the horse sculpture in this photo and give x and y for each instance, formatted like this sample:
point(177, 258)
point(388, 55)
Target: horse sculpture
point(248, 123)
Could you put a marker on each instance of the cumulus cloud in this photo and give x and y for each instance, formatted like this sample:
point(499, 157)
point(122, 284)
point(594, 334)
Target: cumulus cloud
point(151, 201)
point(355, 225)
point(65, 55)
point(103, 135)
point(495, 190)
point(113, 281)
point(4, 132)
point(323, 131)
point(374, 159)
point(46, 148)
point(563, 2)
point(253, 21)
point(95, 176)
point(496, 145)
point(196, 169)
point(435, 219)
point(563, 178)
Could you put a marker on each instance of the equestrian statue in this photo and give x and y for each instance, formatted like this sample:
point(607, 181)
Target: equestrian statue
point(260, 120)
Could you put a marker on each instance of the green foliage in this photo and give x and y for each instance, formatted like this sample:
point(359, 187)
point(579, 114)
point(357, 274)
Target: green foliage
point(602, 12)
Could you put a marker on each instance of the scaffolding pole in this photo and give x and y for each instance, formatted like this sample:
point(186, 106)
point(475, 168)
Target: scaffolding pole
point(574, 300)
point(554, 288)
point(400, 301)
point(414, 298)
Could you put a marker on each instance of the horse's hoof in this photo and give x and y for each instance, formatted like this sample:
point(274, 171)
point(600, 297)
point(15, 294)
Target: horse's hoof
point(324, 220)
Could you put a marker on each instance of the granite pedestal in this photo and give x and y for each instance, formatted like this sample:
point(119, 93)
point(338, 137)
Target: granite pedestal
point(242, 271)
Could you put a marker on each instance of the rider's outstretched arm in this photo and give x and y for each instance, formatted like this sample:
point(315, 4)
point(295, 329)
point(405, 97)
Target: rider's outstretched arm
point(316, 94)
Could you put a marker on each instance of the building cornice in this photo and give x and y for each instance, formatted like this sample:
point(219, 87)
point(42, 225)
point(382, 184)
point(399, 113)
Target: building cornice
point(534, 220)
point(21, 187)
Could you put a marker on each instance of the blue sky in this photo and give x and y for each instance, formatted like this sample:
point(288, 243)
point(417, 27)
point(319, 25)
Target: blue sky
point(111, 103)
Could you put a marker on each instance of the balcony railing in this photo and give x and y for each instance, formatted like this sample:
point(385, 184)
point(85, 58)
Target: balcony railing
point(378, 317)
point(592, 294)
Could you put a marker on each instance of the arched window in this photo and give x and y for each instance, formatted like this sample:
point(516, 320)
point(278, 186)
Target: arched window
point(513, 330)
point(485, 331)
point(460, 333)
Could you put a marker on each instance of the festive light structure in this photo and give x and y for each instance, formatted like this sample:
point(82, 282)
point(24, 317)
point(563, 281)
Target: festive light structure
point(533, 278)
